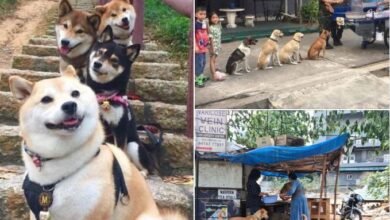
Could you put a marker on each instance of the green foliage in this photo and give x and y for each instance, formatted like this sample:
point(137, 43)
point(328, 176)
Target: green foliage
point(310, 11)
point(167, 26)
point(378, 184)
point(7, 7)
point(245, 126)
point(311, 182)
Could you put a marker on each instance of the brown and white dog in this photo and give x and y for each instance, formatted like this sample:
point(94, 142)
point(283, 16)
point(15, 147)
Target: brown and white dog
point(269, 52)
point(76, 32)
point(66, 160)
point(261, 214)
point(120, 15)
point(290, 52)
point(318, 45)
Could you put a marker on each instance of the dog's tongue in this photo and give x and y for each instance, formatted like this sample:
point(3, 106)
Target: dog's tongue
point(64, 50)
point(70, 122)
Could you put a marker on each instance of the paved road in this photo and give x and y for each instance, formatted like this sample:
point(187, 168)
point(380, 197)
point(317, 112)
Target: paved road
point(328, 82)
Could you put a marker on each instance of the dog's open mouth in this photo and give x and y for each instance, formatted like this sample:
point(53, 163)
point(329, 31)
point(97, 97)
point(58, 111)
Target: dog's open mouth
point(66, 49)
point(124, 26)
point(70, 123)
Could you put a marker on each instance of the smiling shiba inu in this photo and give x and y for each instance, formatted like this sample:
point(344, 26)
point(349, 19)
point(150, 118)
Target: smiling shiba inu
point(120, 15)
point(76, 32)
point(71, 174)
point(108, 74)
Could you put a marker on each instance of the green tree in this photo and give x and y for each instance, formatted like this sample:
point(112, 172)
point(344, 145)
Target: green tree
point(378, 184)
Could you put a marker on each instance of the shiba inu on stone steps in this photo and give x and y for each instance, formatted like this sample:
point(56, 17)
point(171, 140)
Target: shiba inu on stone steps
point(76, 32)
point(71, 173)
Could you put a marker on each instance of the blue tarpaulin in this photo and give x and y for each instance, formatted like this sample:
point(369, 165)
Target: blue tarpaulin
point(277, 154)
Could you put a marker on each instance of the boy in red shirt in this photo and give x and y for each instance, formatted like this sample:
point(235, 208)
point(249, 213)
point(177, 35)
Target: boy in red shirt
point(201, 43)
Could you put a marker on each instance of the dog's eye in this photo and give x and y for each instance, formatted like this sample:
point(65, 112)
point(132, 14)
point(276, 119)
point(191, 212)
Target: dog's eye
point(65, 26)
point(75, 94)
point(46, 99)
point(79, 31)
point(124, 9)
point(113, 15)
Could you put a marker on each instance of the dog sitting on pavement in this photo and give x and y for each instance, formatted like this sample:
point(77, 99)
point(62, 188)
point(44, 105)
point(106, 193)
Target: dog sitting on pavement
point(76, 32)
point(318, 45)
point(290, 52)
point(109, 69)
point(120, 15)
point(71, 173)
point(240, 55)
point(269, 52)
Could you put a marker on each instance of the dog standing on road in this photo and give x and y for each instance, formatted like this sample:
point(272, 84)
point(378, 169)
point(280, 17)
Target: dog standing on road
point(318, 45)
point(76, 32)
point(290, 52)
point(269, 52)
point(240, 55)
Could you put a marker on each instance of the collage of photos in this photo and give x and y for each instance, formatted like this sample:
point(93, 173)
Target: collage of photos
point(194, 110)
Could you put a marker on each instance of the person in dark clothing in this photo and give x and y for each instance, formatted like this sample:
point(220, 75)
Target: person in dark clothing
point(254, 194)
point(326, 22)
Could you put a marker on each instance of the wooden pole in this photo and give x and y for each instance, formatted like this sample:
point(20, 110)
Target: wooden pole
point(138, 36)
point(336, 185)
point(322, 185)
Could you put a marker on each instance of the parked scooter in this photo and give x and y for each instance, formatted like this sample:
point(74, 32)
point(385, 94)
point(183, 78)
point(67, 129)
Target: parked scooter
point(352, 207)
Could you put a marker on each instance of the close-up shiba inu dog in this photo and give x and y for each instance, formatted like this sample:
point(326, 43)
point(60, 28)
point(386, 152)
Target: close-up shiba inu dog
point(240, 55)
point(108, 75)
point(71, 174)
point(76, 32)
point(269, 52)
point(318, 45)
point(120, 15)
point(290, 52)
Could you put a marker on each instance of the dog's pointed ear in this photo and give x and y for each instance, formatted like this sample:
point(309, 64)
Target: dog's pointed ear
point(94, 20)
point(133, 51)
point(106, 35)
point(100, 9)
point(70, 72)
point(20, 87)
point(65, 8)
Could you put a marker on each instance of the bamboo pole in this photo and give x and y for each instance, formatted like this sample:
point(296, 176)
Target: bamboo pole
point(336, 185)
point(322, 185)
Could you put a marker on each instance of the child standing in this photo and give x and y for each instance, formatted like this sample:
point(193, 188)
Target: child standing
point(201, 43)
point(215, 31)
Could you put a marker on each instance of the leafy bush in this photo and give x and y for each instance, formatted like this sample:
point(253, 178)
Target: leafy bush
point(167, 26)
point(378, 184)
point(309, 11)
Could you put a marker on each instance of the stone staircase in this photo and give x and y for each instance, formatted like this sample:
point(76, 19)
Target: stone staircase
point(162, 92)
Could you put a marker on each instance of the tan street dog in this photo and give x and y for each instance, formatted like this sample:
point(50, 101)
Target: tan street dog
point(261, 214)
point(71, 174)
point(120, 15)
point(76, 31)
point(290, 52)
point(269, 52)
point(318, 45)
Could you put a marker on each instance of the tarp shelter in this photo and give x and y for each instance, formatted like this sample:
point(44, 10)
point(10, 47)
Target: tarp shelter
point(321, 157)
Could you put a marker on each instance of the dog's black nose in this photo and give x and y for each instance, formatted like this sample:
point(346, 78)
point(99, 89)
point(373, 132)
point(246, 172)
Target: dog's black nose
point(64, 42)
point(69, 108)
point(125, 20)
point(97, 65)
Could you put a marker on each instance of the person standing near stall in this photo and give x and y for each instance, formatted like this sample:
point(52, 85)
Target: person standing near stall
point(254, 194)
point(326, 22)
point(298, 204)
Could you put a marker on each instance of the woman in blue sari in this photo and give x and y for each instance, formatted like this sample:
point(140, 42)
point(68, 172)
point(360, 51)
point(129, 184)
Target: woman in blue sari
point(298, 199)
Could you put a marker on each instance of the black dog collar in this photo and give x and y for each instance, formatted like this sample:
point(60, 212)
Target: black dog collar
point(297, 41)
point(36, 158)
point(273, 39)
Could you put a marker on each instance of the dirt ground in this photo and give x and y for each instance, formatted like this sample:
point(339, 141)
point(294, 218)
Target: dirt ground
point(18, 28)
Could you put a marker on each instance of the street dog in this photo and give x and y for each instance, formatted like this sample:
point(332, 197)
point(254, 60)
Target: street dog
point(290, 52)
point(120, 15)
point(269, 52)
point(108, 75)
point(76, 32)
point(318, 45)
point(240, 55)
point(71, 173)
point(260, 214)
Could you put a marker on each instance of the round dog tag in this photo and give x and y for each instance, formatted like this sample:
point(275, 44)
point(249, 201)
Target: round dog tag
point(45, 199)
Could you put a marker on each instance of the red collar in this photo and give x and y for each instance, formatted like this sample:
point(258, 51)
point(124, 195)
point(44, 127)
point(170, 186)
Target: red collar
point(106, 99)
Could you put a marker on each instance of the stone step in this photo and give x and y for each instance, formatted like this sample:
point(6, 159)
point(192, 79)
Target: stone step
point(177, 148)
point(166, 71)
point(42, 51)
point(160, 90)
point(51, 41)
point(13, 205)
point(174, 92)
point(170, 117)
